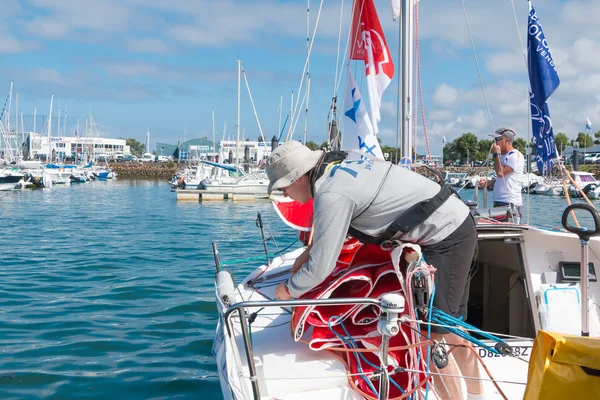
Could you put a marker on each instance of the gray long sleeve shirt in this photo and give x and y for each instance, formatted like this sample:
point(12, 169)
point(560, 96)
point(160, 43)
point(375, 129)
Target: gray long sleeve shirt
point(342, 198)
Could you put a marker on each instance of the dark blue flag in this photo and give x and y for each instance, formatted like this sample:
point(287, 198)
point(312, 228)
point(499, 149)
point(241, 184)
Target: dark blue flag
point(543, 81)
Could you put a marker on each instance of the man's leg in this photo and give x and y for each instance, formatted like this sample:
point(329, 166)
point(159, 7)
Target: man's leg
point(453, 257)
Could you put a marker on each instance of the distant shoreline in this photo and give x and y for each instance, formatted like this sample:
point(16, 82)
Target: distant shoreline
point(161, 170)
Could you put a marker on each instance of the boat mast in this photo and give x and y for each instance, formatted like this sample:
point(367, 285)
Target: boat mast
point(17, 147)
point(237, 146)
point(406, 43)
point(213, 134)
point(50, 130)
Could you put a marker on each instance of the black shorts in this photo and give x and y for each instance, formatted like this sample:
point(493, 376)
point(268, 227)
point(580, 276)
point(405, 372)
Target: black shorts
point(452, 257)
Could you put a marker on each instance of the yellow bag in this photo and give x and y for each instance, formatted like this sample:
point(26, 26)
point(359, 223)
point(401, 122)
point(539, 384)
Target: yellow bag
point(563, 367)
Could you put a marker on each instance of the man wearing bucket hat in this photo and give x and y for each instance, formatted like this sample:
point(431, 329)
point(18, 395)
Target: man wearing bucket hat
point(508, 164)
point(373, 200)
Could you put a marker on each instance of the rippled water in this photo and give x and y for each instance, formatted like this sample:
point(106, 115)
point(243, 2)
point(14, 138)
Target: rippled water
point(106, 288)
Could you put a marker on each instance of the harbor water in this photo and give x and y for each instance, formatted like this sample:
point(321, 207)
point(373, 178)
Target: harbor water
point(106, 288)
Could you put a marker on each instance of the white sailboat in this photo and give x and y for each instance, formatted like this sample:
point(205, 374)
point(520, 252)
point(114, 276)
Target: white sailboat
point(526, 280)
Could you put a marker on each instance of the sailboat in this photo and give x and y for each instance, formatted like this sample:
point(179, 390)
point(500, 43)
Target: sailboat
point(526, 280)
point(253, 183)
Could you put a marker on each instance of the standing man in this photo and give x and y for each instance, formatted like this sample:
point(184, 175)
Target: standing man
point(508, 164)
point(373, 201)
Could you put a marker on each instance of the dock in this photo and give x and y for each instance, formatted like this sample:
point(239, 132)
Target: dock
point(220, 194)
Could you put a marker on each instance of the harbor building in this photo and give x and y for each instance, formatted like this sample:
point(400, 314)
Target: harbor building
point(38, 146)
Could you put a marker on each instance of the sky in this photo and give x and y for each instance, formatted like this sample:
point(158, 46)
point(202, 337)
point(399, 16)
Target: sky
point(138, 65)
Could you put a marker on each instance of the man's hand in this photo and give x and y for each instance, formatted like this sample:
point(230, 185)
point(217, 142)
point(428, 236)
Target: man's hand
point(495, 149)
point(281, 293)
point(483, 182)
point(301, 260)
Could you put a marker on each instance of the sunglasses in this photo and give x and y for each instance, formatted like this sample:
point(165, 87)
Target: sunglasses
point(499, 138)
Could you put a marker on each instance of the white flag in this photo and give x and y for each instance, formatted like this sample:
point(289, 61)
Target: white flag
point(370, 46)
point(588, 125)
point(357, 131)
point(395, 9)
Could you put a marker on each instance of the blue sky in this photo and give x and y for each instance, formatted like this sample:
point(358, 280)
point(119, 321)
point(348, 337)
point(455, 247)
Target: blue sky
point(165, 66)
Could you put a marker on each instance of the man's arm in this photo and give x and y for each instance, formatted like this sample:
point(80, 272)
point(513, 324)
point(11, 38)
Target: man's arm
point(501, 169)
point(331, 226)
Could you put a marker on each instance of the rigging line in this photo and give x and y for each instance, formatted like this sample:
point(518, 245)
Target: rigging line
point(529, 127)
point(418, 60)
point(401, 369)
point(348, 41)
point(307, 70)
point(307, 99)
point(478, 69)
point(306, 65)
point(293, 129)
point(264, 378)
point(337, 58)
point(466, 329)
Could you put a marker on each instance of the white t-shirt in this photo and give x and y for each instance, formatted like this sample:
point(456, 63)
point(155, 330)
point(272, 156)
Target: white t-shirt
point(508, 188)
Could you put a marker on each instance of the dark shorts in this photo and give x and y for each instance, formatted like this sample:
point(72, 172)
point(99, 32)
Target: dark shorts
point(514, 213)
point(452, 257)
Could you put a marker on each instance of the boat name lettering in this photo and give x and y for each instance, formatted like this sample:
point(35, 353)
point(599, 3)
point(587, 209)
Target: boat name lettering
point(522, 351)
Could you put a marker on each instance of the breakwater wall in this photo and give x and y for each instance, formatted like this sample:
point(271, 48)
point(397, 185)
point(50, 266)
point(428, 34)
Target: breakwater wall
point(159, 170)
point(151, 170)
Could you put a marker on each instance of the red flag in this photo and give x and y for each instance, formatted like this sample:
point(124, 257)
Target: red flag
point(369, 45)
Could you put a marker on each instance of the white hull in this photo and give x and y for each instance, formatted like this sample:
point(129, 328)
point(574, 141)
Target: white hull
point(289, 369)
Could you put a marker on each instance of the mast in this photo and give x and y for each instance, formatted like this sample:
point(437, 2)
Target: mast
point(213, 134)
point(50, 129)
point(64, 129)
point(9, 106)
point(17, 125)
point(406, 40)
point(280, 112)
point(34, 118)
point(237, 146)
point(58, 123)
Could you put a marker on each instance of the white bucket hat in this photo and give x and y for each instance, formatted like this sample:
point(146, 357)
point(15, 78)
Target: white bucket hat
point(289, 162)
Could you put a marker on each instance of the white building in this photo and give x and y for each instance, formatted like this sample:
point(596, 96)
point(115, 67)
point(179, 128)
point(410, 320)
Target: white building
point(60, 147)
point(258, 150)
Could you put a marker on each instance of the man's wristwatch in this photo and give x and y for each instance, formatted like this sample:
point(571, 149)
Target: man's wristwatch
point(494, 155)
point(286, 287)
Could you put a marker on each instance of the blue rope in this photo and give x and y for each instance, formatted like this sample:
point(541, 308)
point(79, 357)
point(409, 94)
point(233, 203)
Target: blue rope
point(429, 339)
point(362, 375)
point(460, 322)
point(355, 346)
point(444, 319)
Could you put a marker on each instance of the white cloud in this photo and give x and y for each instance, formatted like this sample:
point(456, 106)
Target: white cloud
point(445, 95)
point(52, 76)
point(388, 109)
point(506, 63)
point(47, 28)
point(147, 45)
point(10, 44)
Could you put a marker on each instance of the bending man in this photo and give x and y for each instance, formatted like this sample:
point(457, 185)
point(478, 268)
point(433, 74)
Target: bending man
point(367, 197)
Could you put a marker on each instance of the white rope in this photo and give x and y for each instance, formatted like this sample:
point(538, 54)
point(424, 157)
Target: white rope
point(252, 102)
point(465, 377)
point(528, 108)
point(290, 131)
point(466, 329)
point(293, 129)
point(477, 65)
point(265, 378)
point(374, 374)
point(306, 117)
point(337, 58)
